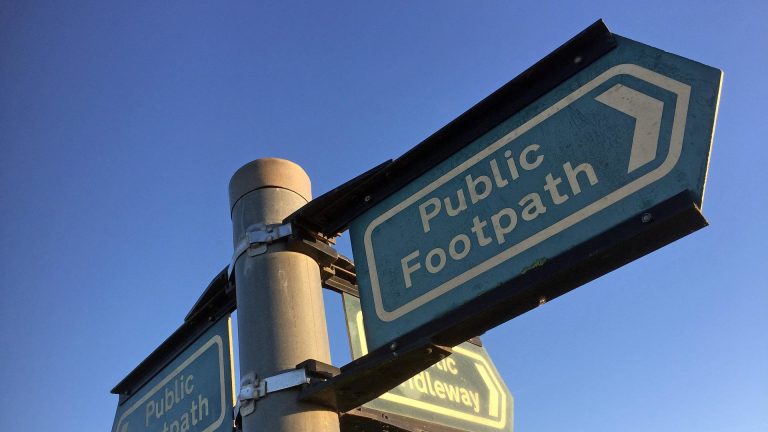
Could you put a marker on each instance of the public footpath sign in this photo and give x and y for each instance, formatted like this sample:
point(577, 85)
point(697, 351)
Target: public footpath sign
point(192, 393)
point(623, 139)
point(463, 391)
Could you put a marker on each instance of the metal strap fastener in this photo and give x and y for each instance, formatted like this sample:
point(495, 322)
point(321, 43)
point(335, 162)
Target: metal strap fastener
point(256, 239)
point(253, 389)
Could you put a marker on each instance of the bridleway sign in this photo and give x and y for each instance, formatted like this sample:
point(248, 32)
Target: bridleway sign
point(463, 392)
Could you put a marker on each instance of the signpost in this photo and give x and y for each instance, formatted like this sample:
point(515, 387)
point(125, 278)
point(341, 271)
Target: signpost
point(463, 391)
point(607, 166)
point(191, 393)
point(593, 157)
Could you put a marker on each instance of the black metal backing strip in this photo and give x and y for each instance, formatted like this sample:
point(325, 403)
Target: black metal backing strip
point(217, 301)
point(325, 210)
point(331, 213)
point(218, 293)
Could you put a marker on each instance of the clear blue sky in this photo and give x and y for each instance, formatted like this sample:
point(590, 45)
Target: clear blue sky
point(121, 124)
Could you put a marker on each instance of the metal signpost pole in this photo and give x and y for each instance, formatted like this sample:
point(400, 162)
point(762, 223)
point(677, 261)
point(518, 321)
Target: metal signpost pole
point(281, 320)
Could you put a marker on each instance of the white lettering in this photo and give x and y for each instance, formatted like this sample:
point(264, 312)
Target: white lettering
point(440, 254)
point(425, 217)
point(408, 269)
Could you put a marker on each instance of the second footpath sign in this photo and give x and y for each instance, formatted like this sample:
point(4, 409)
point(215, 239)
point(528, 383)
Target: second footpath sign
point(191, 393)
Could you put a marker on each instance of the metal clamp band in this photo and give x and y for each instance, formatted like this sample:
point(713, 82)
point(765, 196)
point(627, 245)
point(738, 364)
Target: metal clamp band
point(253, 389)
point(256, 239)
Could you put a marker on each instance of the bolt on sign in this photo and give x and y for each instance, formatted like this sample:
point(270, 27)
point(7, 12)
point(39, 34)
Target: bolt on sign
point(605, 167)
point(463, 391)
point(192, 393)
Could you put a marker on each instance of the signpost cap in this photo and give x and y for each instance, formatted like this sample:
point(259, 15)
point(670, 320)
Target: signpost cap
point(269, 172)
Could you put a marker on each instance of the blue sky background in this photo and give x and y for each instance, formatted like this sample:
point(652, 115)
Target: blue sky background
point(121, 124)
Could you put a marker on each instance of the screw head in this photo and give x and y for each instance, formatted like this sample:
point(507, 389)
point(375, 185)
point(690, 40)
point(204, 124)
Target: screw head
point(647, 217)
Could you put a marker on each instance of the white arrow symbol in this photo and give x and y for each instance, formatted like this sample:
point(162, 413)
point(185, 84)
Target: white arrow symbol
point(647, 113)
point(494, 396)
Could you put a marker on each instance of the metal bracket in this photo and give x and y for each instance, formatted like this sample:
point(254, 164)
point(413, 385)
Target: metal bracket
point(256, 239)
point(373, 374)
point(252, 389)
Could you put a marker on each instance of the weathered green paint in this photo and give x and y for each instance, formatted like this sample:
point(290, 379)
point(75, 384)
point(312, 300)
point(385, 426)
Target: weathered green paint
point(463, 391)
point(628, 132)
point(192, 393)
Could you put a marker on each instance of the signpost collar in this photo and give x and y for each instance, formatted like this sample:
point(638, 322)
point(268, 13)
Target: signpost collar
point(269, 172)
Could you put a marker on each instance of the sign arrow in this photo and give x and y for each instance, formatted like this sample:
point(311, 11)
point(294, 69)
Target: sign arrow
point(647, 113)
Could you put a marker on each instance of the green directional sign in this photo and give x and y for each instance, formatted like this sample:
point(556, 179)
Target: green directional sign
point(603, 168)
point(193, 393)
point(463, 391)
